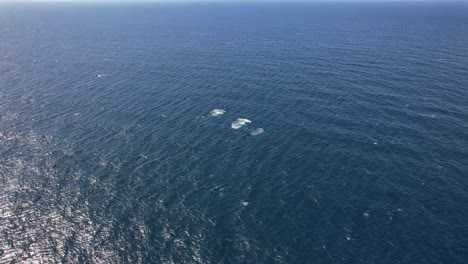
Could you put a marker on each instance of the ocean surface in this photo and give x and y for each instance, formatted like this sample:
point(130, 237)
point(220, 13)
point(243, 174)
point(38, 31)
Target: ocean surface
point(357, 150)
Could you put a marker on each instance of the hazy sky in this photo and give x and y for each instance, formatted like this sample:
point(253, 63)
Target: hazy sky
point(224, 0)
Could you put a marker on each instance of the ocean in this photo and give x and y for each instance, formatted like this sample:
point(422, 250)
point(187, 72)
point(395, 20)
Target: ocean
point(356, 150)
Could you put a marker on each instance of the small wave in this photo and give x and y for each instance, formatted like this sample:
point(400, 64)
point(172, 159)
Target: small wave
point(257, 131)
point(428, 115)
point(217, 112)
point(240, 122)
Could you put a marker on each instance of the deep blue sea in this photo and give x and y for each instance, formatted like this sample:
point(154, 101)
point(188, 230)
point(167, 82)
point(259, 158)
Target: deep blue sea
point(357, 149)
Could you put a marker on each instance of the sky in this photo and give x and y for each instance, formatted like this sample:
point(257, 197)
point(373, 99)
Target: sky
point(231, 0)
point(222, 0)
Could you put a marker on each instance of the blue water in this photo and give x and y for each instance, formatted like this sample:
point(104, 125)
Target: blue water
point(109, 154)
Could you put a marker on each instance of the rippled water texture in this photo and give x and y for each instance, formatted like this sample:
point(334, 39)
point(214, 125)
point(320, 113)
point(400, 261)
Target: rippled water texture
point(109, 152)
